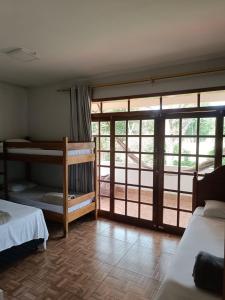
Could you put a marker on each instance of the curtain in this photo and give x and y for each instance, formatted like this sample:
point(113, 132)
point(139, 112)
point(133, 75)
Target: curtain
point(81, 175)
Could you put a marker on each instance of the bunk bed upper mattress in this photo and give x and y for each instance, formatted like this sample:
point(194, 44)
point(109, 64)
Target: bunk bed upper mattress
point(33, 197)
point(34, 151)
point(26, 224)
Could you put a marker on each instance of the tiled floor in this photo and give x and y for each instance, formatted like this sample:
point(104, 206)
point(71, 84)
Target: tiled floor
point(99, 260)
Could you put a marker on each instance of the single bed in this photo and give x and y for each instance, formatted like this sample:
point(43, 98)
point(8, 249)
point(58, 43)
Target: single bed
point(202, 234)
point(33, 197)
point(26, 224)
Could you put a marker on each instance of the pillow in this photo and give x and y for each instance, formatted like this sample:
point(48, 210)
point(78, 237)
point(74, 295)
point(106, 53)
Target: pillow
point(4, 217)
point(208, 272)
point(17, 141)
point(214, 209)
point(54, 198)
point(20, 186)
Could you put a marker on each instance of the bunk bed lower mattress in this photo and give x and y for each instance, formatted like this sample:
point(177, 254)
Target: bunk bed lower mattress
point(33, 197)
point(32, 151)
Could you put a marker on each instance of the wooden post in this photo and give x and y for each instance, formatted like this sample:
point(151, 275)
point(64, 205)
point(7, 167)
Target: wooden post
point(65, 186)
point(96, 180)
point(5, 171)
point(194, 195)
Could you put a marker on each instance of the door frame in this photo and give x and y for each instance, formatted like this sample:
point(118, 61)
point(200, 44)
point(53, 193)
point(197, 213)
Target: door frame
point(158, 167)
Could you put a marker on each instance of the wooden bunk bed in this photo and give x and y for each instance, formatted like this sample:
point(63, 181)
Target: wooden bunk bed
point(64, 153)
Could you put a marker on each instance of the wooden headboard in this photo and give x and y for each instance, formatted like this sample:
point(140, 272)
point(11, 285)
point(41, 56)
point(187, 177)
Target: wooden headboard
point(210, 187)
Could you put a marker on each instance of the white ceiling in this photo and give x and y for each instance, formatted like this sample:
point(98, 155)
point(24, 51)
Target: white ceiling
point(84, 38)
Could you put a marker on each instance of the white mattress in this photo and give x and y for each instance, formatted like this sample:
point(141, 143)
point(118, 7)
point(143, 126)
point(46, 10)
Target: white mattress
point(32, 197)
point(26, 224)
point(32, 151)
point(202, 234)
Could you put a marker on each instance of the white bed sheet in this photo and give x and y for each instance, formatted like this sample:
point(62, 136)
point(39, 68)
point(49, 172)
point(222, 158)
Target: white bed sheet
point(202, 234)
point(32, 197)
point(32, 151)
point(26, 224)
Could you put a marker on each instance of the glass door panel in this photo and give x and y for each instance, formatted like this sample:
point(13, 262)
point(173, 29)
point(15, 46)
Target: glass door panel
point(133, 173)
point(189, 146)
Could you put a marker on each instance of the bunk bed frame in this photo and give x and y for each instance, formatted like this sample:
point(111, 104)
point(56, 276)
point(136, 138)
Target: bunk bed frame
point(65, 161)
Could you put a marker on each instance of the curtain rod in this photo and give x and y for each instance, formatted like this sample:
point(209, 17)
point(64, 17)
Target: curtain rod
point(151, 79)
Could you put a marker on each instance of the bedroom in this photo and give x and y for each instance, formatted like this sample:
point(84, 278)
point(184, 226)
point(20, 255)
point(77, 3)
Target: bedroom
point(153, 74)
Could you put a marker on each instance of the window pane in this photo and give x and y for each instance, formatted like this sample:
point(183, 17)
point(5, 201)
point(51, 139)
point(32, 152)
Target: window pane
point(146, 212)
point(132, 193)
point(105, 128)
point(104, 189)
point(169, 217)
point(105, 143)
point(139, 104)
point(132, 177)
point(172, 126)
point(147, 127)
point(170, 199)
point(207, 126)
point(94, 128)
point(186, 183)
point(119, 175)
point(146, 195)
point(147, 144)
point(205, 164)
point(120, 128)
point(212, 98)
point(105, 173)
point(105, 158)
point(147, 161)
point(119, 191)
point(105, 203)
point(95, 107)
point(179, 101)
point(170, 181)
point(133, 144)
point(207, 146)
point(120, 144)
point(120, 159)
point(188, 164)
point(186, 201)
point(189, 126)
point(133, 160)
point(119, 207)
point(172, 145)
point(188, 145)
point(171, 163)
point(132, 209)
point(114, 106)
point(147, 178)
point(133, 127)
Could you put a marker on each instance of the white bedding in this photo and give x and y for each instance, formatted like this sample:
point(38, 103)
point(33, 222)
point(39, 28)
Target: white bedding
point(205, 234)
point(32, 197)
point(32, 151)
point(26, 224)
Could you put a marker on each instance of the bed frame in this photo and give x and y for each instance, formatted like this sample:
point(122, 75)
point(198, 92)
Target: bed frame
point(210, 187)
point(65, 161)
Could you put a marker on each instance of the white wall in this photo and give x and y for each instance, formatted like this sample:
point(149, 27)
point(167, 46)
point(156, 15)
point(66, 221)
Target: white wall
point(13, 120)
point(13, 111)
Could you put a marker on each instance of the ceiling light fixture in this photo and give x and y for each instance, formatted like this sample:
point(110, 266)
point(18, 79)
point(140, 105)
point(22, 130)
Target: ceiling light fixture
point(21, 54)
